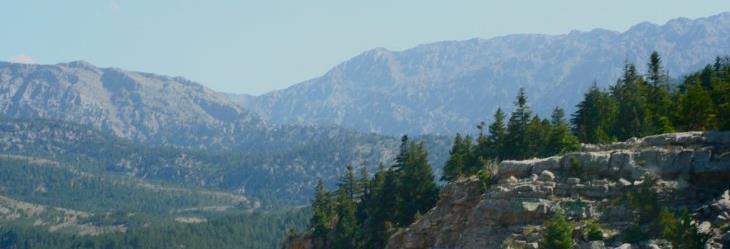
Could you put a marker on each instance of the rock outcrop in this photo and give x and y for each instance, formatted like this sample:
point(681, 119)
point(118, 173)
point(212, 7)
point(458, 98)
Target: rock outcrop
point(692, 170)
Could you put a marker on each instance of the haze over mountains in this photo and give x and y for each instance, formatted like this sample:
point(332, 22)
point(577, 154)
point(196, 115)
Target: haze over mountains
point(174, 130)
point(124, 155)
point(447, 87)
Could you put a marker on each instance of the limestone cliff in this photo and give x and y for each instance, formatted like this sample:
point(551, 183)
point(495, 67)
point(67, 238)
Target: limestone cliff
point(692, 170)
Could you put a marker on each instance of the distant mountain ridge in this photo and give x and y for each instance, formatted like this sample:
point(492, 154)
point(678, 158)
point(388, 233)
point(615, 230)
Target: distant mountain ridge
point(447, 87)
point(176, 131)
point(148, 108)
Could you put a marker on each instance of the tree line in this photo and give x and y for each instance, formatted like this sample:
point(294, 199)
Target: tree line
point(363, 212)
point(636, 106)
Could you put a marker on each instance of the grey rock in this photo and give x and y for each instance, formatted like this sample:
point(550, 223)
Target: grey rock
point(592, 245)
point(624, 246)
point(572, 180)
point(546, 176)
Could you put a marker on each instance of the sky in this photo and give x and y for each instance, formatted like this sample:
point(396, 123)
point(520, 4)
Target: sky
point(254, 47)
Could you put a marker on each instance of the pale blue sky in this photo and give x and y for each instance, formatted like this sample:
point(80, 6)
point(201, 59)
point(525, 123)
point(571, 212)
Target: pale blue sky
point(258, 46)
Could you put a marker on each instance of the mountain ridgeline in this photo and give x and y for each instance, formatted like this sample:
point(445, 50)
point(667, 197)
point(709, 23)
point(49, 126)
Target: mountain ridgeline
point(447, 87)
point(171, 129)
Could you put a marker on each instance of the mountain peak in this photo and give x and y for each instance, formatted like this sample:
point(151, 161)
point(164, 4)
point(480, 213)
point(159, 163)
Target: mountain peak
point(447, 86)
point(79, 64)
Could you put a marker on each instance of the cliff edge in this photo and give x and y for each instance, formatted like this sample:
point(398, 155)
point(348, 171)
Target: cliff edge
point(688, 170)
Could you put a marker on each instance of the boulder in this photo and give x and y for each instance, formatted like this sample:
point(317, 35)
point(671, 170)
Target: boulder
point(546, 176)
point(592, 245)
point(572, 180)
point(624, 246)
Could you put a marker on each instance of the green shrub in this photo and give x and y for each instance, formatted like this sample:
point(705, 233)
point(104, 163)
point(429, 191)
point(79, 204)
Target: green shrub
point(558, 233)
point(594, 231)
point(575, 168)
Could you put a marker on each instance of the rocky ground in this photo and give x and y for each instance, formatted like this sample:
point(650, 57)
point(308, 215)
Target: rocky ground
point(692, 170)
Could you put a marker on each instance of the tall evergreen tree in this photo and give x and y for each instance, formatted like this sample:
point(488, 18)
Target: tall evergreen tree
point(363, 182)
point(561, 139)
point(634, 118)
point(454, 167)
point(345, 230)
point(516, 144)
point(349, 184)
point(594, 116)
point(417, 191)
point(696, 110)
point(538, 132)
point(659, 101)
point(378, 204)
point(323, 216)
point(496, 138)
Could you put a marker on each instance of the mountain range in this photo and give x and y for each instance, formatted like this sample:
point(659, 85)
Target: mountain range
point(450, 86)
point(173, 130)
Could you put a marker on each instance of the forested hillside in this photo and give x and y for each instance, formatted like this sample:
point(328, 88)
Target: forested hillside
point(364, 212)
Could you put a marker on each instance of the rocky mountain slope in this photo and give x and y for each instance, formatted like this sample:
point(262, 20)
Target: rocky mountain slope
point(450, 86)
point(132, 105)
point(147, 108)
point(171, 129)
point(691, 169)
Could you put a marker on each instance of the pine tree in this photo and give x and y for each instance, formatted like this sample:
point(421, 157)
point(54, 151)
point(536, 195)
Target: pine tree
point(721, 93)
point(561, 139)
point(558, 233)
point(346, 228)
point(538, 132)
point(322, 217)
point(378, 209)
point(659, 101)
point(594, 116)
point(696, 110)
point(496, 138)
point(454, 167)
point(363, 183)
point(349, 184)
point(516, 144)
point(634, 117)
point(417, 190)
point(365, 190)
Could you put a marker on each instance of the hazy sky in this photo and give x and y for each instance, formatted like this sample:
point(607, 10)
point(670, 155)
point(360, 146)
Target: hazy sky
point(257, 46)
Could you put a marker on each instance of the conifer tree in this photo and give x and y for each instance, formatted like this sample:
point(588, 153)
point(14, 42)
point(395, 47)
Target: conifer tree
point(349, 184)
point(346, 228)
point(594, 116)
point(454, 167)
point(322, 217)
point(538, 132)
point(696, 110)
point(633, 119)
point(378, 208)
point(363, 182)
point(561, 139)
point(659, 102)
point(516, 144)
point(497, 134)
point(417, 191)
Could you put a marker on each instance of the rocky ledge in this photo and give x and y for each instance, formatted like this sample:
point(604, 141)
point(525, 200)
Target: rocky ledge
point(691, 169)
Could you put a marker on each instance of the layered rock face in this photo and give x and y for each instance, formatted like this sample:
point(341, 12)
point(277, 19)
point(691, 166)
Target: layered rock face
point(692, 170)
